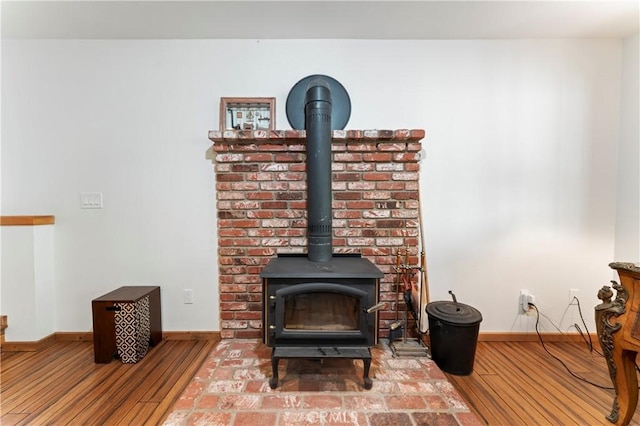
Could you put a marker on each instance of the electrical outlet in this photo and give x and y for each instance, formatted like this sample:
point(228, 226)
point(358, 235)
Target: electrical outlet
point(574, 293)
point(525, 299)
point(188, 296)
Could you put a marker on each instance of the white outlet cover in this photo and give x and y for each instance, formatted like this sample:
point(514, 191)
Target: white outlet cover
point(188, 296)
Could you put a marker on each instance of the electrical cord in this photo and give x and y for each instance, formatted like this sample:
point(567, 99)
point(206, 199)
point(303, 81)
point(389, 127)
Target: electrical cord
point(557, 358)
point(590, 344)
point(551, 322)
point(576, 326)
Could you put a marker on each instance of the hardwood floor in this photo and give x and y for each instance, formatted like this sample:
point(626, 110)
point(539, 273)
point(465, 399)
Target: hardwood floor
point(514, 383)
point(61, 385)
point(518, 383)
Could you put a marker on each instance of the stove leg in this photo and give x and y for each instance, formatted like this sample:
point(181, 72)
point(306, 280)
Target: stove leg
point(273, 382)
point(368, 383)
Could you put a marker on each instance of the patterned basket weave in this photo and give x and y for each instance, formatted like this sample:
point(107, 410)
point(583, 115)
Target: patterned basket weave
point(133, 330)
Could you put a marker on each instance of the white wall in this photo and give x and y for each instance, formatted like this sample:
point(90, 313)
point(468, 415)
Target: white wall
point(28, 287)
point(518, 183)
point(628, 203)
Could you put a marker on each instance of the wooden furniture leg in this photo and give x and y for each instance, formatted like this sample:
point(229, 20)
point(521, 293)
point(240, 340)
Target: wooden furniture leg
point(626, 384)
point(618, 325)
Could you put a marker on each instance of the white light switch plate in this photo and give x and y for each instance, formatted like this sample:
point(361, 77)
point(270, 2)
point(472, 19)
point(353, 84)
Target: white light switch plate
point(91, 200)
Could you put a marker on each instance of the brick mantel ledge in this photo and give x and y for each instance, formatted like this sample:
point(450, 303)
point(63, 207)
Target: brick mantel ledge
point(293, 135)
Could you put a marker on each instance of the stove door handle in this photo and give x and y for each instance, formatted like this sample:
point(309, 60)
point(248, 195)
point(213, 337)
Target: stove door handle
point(376, 307)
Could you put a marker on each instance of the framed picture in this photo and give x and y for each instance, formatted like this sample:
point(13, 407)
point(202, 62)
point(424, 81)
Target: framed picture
point(247, 113)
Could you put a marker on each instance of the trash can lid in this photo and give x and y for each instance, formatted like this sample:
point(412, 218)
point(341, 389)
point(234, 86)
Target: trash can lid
point(454, 312)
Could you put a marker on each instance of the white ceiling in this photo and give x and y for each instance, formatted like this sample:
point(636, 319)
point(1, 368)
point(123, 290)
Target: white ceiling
point(307, 19)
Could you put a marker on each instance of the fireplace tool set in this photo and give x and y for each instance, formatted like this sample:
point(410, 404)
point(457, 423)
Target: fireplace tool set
point(401, 344)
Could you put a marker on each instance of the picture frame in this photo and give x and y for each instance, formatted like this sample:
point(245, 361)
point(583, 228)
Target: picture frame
point(247, 114)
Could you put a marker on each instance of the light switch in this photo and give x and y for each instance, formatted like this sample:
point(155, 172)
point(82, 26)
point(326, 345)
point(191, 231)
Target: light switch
point(91, 200)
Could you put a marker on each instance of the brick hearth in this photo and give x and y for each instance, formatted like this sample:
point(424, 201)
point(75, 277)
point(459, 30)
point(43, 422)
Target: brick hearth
point(261, 204)
point(231, 388)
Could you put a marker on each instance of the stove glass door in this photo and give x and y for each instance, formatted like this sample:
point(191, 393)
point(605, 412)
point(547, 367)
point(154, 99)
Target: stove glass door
point(322, 314)
point(322, 311)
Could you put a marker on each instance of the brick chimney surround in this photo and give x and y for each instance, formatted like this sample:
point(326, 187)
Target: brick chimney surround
point(261, 208)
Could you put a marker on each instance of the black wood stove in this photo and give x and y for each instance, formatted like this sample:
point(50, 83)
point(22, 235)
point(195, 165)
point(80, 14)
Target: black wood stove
point(321, 309)
point(320, 305)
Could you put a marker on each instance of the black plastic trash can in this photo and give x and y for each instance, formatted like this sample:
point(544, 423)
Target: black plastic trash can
point(453, 328)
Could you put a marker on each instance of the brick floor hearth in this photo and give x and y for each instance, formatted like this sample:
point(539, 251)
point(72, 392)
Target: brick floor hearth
point(232, 388)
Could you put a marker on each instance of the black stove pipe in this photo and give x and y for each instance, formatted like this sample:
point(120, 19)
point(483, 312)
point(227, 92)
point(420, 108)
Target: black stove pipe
point(318, 127)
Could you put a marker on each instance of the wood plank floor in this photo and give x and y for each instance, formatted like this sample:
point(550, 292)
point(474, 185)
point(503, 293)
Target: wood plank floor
point(61, 385)
point(514, 383)
point(519, 383)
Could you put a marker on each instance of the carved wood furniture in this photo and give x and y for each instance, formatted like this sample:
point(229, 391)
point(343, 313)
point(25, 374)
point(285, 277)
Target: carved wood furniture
point(104, 323)
point(618, 325)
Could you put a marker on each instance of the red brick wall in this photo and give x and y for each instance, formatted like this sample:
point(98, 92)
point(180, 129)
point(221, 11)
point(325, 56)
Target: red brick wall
point(261, 205)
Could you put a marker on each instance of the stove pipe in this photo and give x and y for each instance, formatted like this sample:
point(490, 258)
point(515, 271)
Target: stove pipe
point(318, 127)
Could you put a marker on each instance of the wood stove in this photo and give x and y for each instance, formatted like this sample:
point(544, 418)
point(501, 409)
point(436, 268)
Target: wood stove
point(321, 309)
point(320, 305)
